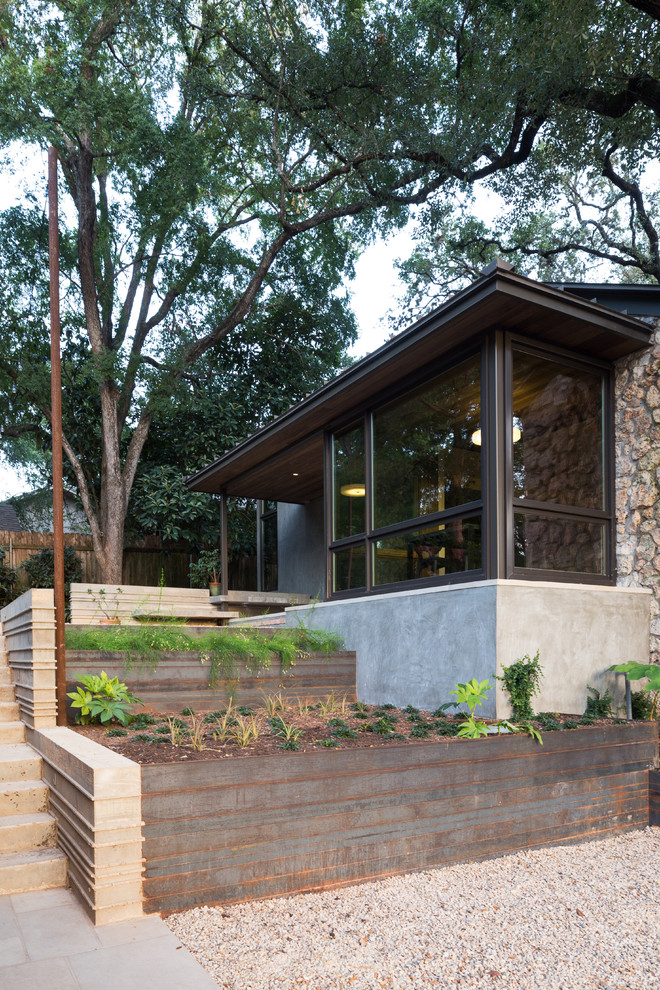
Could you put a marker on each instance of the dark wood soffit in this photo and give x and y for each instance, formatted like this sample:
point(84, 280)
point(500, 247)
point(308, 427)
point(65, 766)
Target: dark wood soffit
point(262, 466)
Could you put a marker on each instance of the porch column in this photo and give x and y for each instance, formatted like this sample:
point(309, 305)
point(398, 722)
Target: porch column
point(224, 555)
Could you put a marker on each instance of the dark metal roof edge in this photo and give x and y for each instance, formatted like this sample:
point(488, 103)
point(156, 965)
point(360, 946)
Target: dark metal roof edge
point(495, 280)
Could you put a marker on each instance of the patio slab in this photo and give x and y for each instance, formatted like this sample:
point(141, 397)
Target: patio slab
point(48, 940)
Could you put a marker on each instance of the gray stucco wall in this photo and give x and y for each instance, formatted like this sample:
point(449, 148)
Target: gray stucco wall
point(301, 548)
point(414, 646)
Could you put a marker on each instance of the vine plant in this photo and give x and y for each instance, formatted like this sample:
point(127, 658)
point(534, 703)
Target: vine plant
point(521, 681)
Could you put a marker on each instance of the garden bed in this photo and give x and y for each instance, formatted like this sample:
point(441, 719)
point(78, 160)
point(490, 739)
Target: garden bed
point(225, 830)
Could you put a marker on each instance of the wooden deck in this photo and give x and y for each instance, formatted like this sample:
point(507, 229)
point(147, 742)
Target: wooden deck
point(236, 830)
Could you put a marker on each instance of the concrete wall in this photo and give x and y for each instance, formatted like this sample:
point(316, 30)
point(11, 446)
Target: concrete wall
point(96, 796)
point(28, 626)
point(414, 646)
point(301, 548)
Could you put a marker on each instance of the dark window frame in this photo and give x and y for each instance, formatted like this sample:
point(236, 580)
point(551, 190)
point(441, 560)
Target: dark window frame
point(497, 504)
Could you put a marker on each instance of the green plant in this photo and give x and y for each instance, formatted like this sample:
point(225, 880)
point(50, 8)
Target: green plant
point(207, 569)
point(598, 705)
point(142, 720)
point(102, 699)
point(288, 732)
point(472, 694)
point(7, 581)
point(548, 721)
point(640, 671)
point(641, 705)
point(177, 731)
point(569, 724)
point(225, 722)
point(328, 743)
point(40, 571)
point(107, 604)
point(521, 681)
point(273, 703)
point(196, 732)
point(419, 731)
point(345, 733)
point(244, 731)
point(117, 732)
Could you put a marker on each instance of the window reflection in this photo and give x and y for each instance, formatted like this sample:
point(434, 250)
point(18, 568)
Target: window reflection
point(434, 551)
point(559, 409)
point(349, 570)
point(349, 483)
point(549, 543)
point(425, 458)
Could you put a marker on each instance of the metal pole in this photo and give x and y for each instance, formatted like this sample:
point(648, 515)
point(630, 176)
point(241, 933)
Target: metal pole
point(224, 549)
point(56, 426)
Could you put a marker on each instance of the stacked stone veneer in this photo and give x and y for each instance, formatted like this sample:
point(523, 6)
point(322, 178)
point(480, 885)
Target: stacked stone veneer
point(637, 419)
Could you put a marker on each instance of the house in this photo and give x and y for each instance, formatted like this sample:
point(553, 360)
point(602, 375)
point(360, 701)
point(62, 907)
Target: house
point(480, 487)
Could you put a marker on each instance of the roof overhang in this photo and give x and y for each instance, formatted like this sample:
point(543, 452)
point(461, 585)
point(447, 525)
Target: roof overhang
point(284, 460)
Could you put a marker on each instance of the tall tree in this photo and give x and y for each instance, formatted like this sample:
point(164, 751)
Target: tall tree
point(584, 197)
point(201, 141)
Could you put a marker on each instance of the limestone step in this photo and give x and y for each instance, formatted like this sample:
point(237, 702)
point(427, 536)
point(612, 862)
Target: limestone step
point(20, 832)
point(12, 732)
point(7, 693)
point(34, 869)
point(5, 674)
point(23, 797)
point(18, 761)
point(9, 711)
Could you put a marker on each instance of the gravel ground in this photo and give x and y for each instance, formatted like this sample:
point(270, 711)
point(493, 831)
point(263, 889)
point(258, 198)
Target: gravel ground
point(571, 917)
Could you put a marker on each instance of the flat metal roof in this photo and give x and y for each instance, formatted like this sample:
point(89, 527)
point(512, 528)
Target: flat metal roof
point(284, 460)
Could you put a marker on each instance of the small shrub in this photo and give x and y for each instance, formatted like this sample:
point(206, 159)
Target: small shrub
point(117, 732)
point(521, 682)
point(7, 581)
point(142, 720)
point(40, 570)
point(142, 737)
point(328, 743)
point(569, 724)
point(102, 699)
point(345, 733)
point(641, 705)
point(599, 705)
point(419, 732)
point(548, 721)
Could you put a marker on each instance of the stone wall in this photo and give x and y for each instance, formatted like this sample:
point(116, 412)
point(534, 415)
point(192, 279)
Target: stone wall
point(637, 423)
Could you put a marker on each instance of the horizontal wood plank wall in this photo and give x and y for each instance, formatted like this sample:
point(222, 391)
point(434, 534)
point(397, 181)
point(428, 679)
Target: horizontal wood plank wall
point(237, 830)
point(654, 797)
point(181, 681)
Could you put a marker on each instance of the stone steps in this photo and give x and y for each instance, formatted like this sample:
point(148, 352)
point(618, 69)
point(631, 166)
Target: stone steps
point(29, 858)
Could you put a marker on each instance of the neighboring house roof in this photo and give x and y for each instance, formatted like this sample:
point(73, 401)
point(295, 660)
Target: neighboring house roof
point(284, 460)
point(9, 519)
point(34, 512)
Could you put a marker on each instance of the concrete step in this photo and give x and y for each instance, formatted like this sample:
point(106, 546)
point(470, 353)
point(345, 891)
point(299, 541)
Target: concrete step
point(9, 711)
point(20, 832)
point(34, 869)
point(5, 675)
point(7, 693)
point(12, 732)
point(23, 797)
point(18, 761)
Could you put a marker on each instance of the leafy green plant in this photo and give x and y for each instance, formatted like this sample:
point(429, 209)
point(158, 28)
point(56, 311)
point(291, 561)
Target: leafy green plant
point(328, 743)
point(7, 581)
point(117, 732)
point(521, 681)
point(419, 731)
point(598, 705)
point(225, 723)
point(641, 705)
point(40, 572)
point(288, 732)
point(106, 603)
point(569, 724)
point(548, 721)
point(345, 733)
point(471, 694)
point(207, 569)
point(196, 732)
point(177, 731)
point(102, 699)
point(273, 703)
point(244, 730)
point(640, 671)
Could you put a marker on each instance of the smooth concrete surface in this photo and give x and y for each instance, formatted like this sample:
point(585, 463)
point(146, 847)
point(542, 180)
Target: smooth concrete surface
point(414, 646)
point(301, 548)
point(28, 626)
point(46, 940)
point(96, 796)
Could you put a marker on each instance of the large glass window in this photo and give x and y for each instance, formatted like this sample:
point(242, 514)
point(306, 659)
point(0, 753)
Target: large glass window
point(349, 483)
point(435, 551)
point(550, 543)
point(425, 458)
point(558, 413)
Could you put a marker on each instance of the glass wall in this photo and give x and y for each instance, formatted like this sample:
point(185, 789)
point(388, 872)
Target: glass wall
point(559, 465)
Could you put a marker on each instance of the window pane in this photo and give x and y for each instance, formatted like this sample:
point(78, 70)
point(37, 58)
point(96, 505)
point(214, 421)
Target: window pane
point(547, 543)
point(429, 552)
point(349, 475)
point(425, 459)
point(558, 443)
point(269, 552)
point(349, 569)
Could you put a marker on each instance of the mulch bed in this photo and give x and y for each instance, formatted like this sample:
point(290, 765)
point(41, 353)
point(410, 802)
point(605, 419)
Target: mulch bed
point(333, 724)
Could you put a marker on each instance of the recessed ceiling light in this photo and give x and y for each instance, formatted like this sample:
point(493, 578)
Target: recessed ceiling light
point(295, 474)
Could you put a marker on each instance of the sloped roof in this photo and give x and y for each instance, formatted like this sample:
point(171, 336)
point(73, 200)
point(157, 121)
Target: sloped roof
point(9, 519)
point(284, 460)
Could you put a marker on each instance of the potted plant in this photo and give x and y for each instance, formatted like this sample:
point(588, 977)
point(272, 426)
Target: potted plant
point(207, 570)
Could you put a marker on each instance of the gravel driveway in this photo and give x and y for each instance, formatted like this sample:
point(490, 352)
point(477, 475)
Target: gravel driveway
point(571, 917)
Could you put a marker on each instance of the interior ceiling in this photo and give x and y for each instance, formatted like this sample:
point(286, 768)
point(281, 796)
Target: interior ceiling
point(284, 461)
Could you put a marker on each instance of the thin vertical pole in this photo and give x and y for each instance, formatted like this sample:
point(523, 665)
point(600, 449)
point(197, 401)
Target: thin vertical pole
point(260, 547)
point(56, 426)
point(224, 554)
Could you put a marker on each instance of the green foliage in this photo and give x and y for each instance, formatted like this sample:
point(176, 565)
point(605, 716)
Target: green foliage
point(641, 706)
point(7, 581)
point(207, 568)
point(521, 681)
point(472, 694)
point(102, 699)
point(598, 705)
point(40, 571)
point(548, 721)
point(643, 671)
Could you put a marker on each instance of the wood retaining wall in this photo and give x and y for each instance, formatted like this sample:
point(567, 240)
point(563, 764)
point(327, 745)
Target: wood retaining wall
point(181, 681)
point(654, 797)
point(236, 830)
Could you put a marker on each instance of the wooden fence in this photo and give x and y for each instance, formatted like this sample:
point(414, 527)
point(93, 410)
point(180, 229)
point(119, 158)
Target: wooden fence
point(144, 564)
point(223, 831)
